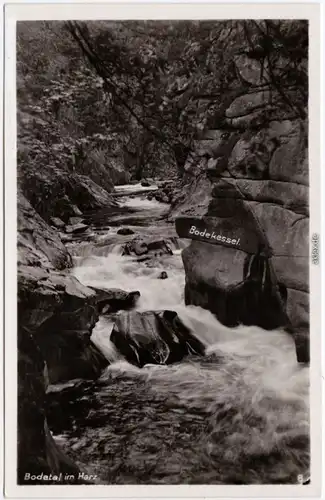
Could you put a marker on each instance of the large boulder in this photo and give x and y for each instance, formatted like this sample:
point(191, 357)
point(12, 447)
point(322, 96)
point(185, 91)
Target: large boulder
point(156, 337)
point(60, 313)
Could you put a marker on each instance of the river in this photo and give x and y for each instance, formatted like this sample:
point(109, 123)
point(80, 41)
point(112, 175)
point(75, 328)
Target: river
point(239, 415)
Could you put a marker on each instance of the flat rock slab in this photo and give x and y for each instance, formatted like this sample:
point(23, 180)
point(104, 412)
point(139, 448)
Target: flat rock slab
point(76, 228)
point(75, 220)
point(57, 222)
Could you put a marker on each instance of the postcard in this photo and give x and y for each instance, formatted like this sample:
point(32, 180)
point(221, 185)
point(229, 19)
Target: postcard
point(162, 196)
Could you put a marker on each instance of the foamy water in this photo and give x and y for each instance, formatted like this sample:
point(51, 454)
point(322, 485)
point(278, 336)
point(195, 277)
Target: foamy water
point(144, 204)
point(273, 351)
point(130, 188)
point(247, 398)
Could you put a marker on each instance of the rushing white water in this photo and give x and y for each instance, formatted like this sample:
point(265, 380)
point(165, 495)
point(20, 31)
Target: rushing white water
point(273, 351)
point(131, 188)
point(144, 204)
point(134, 187)
point(257, 377)
point(116, 271)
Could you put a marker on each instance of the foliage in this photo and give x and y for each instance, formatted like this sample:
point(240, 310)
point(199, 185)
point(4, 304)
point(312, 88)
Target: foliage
point(137, 94)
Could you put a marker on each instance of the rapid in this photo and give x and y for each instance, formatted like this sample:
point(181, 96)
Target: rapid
point(239, 415)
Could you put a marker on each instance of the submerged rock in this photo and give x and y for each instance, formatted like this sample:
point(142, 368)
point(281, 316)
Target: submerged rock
point(154, 337)
point(145, 183)
point(125, 231)
point(162, 197)
point(113, 299)
point(149, 246)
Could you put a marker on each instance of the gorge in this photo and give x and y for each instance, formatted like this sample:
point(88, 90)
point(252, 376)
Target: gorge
point(146, 356)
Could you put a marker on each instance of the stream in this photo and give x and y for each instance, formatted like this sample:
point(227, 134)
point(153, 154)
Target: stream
point(239, 415)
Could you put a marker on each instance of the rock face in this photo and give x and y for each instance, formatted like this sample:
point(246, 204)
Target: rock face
point(56, 315)
point(250, 177)
point(38, 245)
point(54, 192)
point(156, 337)
point(37, 451)
point(55, 307)
point(193, 198)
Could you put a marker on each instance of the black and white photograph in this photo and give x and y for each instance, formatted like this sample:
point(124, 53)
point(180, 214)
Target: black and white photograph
point(163, 252)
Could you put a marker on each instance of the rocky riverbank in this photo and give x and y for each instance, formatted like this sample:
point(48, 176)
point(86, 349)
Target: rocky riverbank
point(56, 315)
point(56, 318)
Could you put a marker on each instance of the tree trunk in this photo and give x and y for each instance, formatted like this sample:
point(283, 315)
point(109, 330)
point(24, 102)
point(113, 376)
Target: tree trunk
point(181, 152)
